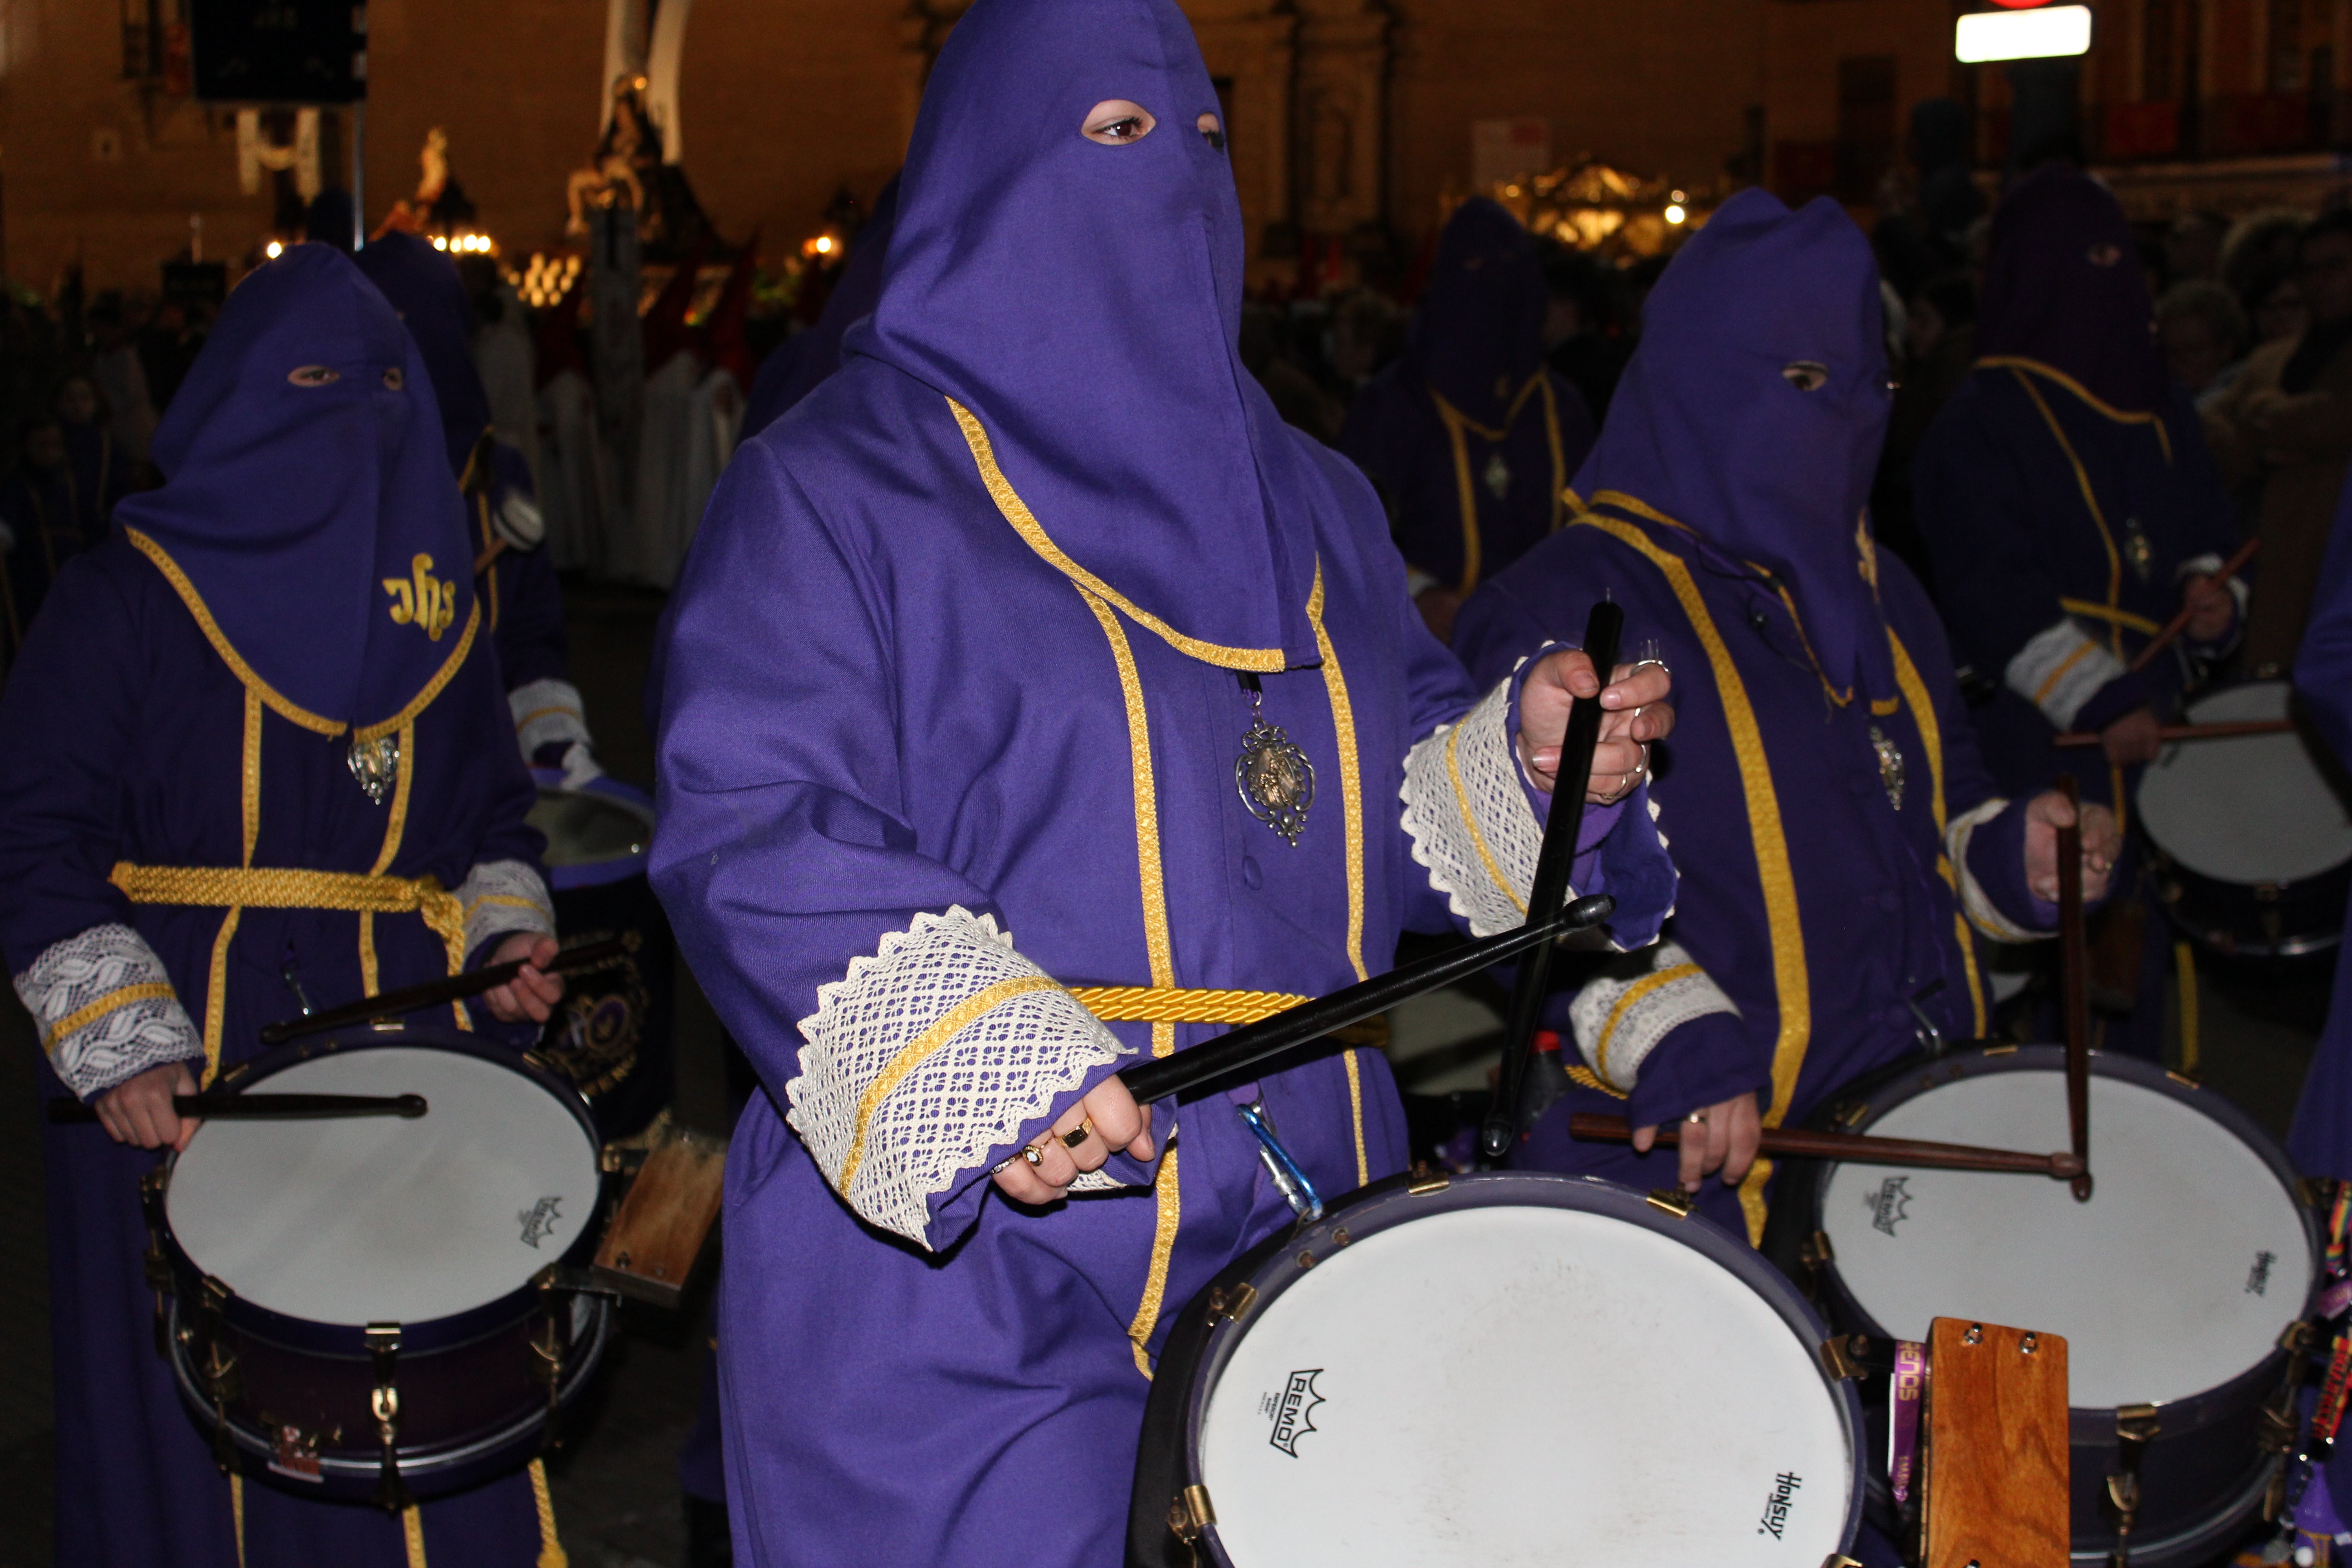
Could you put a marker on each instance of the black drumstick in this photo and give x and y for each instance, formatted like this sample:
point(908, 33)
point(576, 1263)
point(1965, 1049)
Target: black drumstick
point(432, 992)
point(1550, 891)
point(1293, 1026)
point(220, 1107)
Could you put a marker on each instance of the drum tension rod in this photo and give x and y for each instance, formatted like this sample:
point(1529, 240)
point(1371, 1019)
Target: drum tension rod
point(383, 1350)
point(159, 1268)
point(219, 1369)
point(2135, 1428)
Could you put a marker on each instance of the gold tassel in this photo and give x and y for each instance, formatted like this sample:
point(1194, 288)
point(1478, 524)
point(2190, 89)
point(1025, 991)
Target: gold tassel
point(551, 1549)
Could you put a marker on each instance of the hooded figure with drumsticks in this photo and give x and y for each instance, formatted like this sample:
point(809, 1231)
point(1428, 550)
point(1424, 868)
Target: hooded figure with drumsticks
point(1842, 850)
point(1036, 701)
point(254, 754)
point(2071, 510)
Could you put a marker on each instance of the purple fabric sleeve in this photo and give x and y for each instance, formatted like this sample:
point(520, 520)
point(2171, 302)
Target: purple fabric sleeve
point(1705, 1062)
point(2113, 701)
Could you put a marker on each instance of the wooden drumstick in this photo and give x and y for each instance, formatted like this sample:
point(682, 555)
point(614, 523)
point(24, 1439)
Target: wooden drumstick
point(2220, 729)
point(2179, 622)
point(1859, 1148)
point(457, 988)
point(1548, 894)
point(2073, 990)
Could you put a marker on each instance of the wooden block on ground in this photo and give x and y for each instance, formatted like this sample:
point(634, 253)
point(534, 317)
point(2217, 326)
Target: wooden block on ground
point(1996, 1476)
point(657, 1233)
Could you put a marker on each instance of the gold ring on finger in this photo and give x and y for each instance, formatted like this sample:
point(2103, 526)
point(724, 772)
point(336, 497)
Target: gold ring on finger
point(1077, 1135)
point(1034, 1154)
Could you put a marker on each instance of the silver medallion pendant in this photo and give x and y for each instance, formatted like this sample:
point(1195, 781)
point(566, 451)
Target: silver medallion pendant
point(1890, 766)
point(1276, 780)
point(376, 766)
point(1498, 477)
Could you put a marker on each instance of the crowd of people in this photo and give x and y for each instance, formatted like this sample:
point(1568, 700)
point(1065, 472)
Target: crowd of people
point(1067, 618)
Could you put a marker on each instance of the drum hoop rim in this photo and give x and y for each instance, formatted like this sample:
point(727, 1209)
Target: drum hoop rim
point(2090, 1424)
point(584, 874)
point(310, 1335)
point(423, 1464)
point(1275, 1258)
point(2189, 713)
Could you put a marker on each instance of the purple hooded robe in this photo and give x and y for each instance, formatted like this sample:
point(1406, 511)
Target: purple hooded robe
point(953, 709)
point(191, 703)
point(1470, 439)
point(1836, 831)
point(2064, 493)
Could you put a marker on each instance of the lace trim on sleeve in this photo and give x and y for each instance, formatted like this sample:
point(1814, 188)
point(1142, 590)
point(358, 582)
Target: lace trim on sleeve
point(546, 710)
point(925, 1057)
point(503, 896)
point(106, 1009)
point(2060, 670)
point(1988, 920)
point(1636, 1002)
point(1467, 810)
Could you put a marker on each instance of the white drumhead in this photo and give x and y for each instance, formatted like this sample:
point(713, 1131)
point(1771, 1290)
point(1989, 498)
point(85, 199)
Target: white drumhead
point(2175, 1278)
point(2249, 809)
point(375, 1219)
point(1523, 1386)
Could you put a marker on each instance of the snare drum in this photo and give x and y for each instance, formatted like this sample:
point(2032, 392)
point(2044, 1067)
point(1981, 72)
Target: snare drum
point(1510, 1368)
point(2253, 843)
point(2172, 1285)
point(611, 1039)
point(312, 1265)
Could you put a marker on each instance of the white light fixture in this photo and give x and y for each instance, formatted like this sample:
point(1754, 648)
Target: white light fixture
point(1675, 213)
point(276, 250)
point(2048, 32)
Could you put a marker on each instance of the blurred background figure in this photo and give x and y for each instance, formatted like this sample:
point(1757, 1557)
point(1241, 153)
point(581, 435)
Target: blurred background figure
point(2203, 329)
point(1470, 438)
point(2283, 431)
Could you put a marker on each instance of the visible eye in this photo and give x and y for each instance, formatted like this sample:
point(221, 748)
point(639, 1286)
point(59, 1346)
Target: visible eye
point(314, 375)
point(1211, 131)
point(1115, 123)
point(392, 378)
point(2106, 255)
point(1805, 375)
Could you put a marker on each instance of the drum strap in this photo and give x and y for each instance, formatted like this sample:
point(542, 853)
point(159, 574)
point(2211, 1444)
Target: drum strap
point(280, 887)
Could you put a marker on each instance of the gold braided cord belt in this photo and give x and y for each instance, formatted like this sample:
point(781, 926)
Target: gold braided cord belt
point(276, 888)
point(1173, 1005)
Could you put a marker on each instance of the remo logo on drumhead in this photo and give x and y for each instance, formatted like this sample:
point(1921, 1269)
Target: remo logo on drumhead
point(1293, 1410)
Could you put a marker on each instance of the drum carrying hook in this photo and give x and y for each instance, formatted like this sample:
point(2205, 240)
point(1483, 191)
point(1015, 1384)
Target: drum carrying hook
point(1289, 1178)
point(383, 1402)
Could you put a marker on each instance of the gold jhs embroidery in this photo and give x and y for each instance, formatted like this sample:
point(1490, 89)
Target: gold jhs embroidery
point(429, 602)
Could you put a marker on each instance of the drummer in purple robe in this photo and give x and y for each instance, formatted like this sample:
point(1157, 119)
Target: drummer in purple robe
point(254, 755)
point(1841, 846)
point(2070, 506)
point(1038, 702)
point(1469, 438)
point(515, 577)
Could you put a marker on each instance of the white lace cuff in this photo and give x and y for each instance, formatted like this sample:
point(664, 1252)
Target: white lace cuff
point(925, 1057)
point(1980, 908)
point(2059, 670)
point(1636, 1002)
point(106, 1009)
point(1467, 810)
point(546, 710)
point(503, 896)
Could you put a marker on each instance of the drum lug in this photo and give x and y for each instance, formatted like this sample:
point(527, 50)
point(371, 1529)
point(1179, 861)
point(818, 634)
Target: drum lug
point(1426, 1180)
point(2298, 1339)
point(1189, 1514)
point(1231, 1306)
point(1839, 1357)
point(383, 1402)
point(2317, 1192)
point(1835, 1561)
point(2135, 1428)
point(218, 1367)
point(1673, 1201)
point(1818, 1257)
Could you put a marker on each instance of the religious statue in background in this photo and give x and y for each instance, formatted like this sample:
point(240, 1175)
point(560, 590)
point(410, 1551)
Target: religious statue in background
point(630, 144)
point(439, 203)
point(630, 174)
